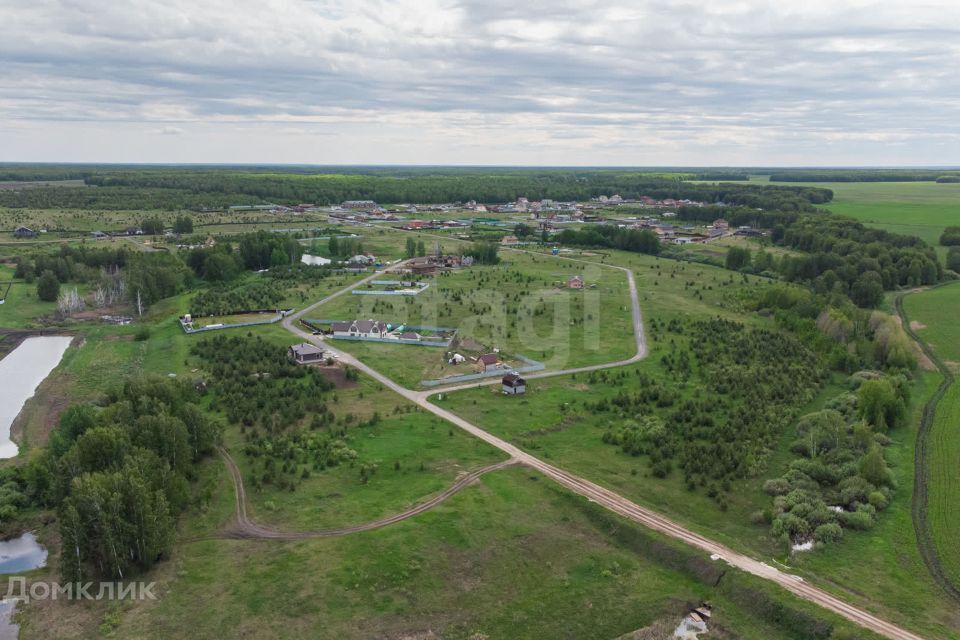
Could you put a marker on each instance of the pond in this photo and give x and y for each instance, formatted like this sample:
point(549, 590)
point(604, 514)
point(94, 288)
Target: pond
point(22, 554)
point(21, 372)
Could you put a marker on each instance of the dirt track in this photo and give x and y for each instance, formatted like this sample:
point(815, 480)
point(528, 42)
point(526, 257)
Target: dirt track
point(245, 528)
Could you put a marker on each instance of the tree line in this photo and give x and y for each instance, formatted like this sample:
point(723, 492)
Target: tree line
point(177, 188)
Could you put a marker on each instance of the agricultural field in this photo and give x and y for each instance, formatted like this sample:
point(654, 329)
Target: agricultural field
point(933, 316)
point(521, 306)
point(912, 208)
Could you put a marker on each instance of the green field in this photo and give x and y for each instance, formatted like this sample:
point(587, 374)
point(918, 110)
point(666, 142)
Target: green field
point(912, 208)
point(510, 557)
point(933, 315)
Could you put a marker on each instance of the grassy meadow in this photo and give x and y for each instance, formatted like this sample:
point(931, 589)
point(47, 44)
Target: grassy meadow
point(512, 556)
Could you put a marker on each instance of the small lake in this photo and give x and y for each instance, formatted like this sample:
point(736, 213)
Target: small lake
point(314, 260)
point(22, 554)
point(21, 372)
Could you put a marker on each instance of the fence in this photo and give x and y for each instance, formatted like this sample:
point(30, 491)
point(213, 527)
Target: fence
point(424, 341)
point(189, 328)
point(531, 365)
point(419, 287)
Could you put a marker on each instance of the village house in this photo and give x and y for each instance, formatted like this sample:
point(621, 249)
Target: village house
point(510, 240)
point(664, 231)
point(363, 258)
point(513, 384)
point(721, 224)
point(305, 353)
point(488, 362)
point(575, 282)
point(24, 232)
point(359, 329)
point(358, 204)
point(99, 234)
point(422, 265)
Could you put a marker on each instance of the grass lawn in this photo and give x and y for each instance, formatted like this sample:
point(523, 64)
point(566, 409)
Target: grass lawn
point(513, 556)
point(933, 314)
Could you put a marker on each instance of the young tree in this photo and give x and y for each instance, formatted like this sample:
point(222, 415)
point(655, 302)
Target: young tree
point(421, 248)
point(411, 247)
point(152, 226)
point(738, 258)
point(953, 259)
point(48, 286)
point(334, 246)
point(183, 224)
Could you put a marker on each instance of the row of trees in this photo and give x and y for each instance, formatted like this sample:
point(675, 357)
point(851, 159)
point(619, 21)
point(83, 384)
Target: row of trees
point(612, 237)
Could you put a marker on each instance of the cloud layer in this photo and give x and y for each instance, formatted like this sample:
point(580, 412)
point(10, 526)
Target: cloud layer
point(641, 82)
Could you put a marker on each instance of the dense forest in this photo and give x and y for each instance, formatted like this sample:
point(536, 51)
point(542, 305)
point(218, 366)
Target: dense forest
point(177, 188)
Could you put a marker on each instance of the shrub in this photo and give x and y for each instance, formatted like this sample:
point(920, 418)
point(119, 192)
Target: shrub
point(826, 533)
point(776, 487)
point(879, 500)
point(48, 286)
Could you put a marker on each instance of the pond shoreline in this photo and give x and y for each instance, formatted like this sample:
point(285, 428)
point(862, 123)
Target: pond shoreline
point(12, 340)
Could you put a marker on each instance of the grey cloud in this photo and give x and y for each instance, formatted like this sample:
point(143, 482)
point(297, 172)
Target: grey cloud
point(577, 72)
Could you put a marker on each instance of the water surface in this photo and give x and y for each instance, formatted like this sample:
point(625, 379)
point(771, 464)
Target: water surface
point(21, 372)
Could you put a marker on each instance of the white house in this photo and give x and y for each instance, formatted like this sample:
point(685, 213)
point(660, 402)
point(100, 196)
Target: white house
point(359, 329)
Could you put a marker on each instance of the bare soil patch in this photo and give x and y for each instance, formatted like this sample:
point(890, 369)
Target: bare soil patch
point(916, 326)
point(338, 377)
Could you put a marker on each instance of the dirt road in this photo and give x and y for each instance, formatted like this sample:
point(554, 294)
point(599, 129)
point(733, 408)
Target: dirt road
point(245, 528)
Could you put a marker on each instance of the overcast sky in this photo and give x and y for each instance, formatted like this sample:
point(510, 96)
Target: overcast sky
point(632, 82)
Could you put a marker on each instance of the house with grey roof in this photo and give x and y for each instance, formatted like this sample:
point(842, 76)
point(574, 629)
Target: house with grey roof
point(305, 353)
